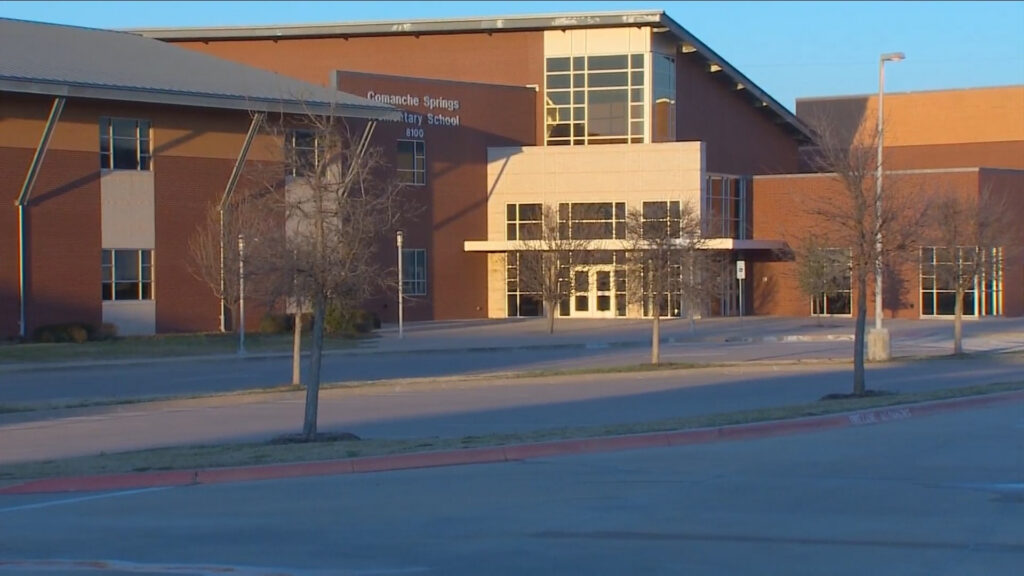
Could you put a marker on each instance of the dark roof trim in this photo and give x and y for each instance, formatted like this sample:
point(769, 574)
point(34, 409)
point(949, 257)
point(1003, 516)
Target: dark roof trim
point(392, 28)
point(799, 128)
point(172, 98)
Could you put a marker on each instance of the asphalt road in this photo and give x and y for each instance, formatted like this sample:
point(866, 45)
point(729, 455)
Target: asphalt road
point(192, 376)
point(455, 408)
point(932, 496)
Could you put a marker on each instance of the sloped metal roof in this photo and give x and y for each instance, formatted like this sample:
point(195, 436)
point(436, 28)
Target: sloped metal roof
point(658, 19)
point(58, 60)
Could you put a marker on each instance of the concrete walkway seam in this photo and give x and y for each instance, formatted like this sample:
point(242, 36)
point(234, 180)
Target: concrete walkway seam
point(508, 453)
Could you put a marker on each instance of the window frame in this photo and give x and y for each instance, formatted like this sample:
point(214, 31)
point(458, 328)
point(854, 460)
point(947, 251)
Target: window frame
point(518, 227)
point(142, 277)
point(414, 277)
point(143, 139)
point(295, 170)
point(417, 174)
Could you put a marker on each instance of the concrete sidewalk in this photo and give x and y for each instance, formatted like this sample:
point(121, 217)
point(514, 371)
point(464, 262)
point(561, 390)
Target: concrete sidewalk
point(922, 337)
point(499, 454)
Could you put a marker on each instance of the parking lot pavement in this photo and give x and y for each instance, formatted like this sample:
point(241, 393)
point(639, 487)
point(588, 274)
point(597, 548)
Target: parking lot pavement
point(930, 496)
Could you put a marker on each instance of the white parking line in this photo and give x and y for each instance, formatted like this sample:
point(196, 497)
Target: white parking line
point(82, 499)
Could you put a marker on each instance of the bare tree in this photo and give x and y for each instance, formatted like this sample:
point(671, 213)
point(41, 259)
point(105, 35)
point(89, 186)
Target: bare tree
point(970, 236)
point(545, 256)
point(855, 216)
point(341, 201)
point(822, 271)
point(213, 248)
point(668, 261)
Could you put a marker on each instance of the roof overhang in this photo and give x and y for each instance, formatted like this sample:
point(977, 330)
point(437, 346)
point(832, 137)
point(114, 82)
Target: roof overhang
point(201, 100)
point(407, 27)
point(617, 245)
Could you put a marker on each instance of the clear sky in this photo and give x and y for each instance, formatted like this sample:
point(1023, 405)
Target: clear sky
point(790, 49)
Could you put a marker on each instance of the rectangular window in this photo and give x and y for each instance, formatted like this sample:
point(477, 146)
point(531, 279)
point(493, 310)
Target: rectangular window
point(127, 274)
point(595, 99)
point(414, 272)
point(411, 163)
point(523, 222)
point(662, 219)
point(520, 299)
point(125, 144)
point(592, 220)
point(724, 214)
point(303, 152)
point(836, 271)
point(980, 271)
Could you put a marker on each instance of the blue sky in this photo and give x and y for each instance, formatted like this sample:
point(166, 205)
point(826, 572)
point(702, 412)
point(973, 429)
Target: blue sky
point(790, 49)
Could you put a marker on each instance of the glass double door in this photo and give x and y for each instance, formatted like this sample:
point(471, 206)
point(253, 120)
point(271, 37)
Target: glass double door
point(596, 292)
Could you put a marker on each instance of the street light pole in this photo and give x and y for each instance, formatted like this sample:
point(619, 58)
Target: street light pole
point(398, 241)
point(241, 294)
point(882, 348)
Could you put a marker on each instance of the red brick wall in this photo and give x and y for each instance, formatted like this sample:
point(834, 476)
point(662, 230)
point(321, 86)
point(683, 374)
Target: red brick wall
point(62, 249)
point(454, 201)
point(741, 139)
point(1008, 186)
point(782, 212)
point(13, 165)
point(184, 188)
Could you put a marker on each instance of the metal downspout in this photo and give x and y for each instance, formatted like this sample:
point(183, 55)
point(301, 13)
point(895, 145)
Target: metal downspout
point(23, 198)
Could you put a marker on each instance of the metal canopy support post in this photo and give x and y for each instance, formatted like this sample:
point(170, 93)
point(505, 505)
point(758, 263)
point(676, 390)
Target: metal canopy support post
point(23, 198)
point(229, 190)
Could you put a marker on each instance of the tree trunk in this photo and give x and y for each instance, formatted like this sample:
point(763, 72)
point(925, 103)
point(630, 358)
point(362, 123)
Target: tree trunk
point(313, 388)
point(858, 338)
point(656, 336)
point(297, 350)
point(958, 324)
point(551, 317)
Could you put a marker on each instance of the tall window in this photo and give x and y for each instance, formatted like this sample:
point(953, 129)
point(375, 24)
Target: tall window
point(125, 144)
point(127, 274)
point(837, 300)
point(414, 272)
point(592, 220)
point(939, 276)
point(725, 207)
point(594, 99)
point(663, 113)
point(412, 162)
point(520, 300)
point(523, 221)
point(304, 152)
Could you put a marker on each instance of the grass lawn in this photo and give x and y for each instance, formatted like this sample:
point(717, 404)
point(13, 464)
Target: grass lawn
point(274, 452)
point(163, 346)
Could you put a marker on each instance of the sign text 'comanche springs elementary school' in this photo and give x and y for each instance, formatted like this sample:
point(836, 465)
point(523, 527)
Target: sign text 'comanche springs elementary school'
point(430, 103)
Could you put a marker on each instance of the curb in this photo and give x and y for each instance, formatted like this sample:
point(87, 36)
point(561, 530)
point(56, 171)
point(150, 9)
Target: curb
point(510, 453)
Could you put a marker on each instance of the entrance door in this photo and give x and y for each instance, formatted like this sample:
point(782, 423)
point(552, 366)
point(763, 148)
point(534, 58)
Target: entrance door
point(593, 292)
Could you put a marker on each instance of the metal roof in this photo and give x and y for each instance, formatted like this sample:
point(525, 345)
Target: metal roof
point(58, 60)
point(657, 19)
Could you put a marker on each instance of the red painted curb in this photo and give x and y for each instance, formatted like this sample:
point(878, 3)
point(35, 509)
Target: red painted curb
point(502, 453)
point(100, 483)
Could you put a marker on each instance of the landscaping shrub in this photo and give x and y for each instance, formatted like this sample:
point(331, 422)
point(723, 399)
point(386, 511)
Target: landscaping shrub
point(77, 332)
point(343, 322)
point(275, 324)
point(107, 331)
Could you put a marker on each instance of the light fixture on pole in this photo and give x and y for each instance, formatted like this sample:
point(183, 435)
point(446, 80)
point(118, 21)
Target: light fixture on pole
point(398, 241)
point(881, 349)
